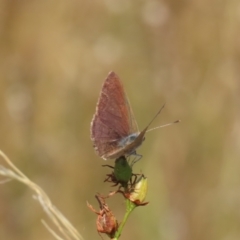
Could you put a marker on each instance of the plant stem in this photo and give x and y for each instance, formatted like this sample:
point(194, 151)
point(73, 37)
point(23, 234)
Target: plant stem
point(129, 208)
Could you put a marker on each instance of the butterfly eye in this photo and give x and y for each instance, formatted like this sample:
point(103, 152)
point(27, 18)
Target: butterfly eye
point(132, 137)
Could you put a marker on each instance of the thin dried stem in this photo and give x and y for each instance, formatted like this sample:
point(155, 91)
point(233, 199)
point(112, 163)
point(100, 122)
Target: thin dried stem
point(64, 227)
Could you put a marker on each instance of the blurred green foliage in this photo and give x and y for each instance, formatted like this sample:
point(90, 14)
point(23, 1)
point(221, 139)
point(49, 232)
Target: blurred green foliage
point(54, 57)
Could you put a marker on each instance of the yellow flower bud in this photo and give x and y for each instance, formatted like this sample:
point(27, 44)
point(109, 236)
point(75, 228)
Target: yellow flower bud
point(139, 192)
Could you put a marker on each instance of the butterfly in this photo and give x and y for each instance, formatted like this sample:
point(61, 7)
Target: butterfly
point(114, 130)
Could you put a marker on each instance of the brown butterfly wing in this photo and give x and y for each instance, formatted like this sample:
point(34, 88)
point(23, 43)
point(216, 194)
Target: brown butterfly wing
point(113, 119)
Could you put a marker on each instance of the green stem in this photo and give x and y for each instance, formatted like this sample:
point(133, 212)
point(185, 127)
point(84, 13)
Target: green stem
point(129, 208)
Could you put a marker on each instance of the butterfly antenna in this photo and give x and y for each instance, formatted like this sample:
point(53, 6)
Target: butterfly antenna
point(155, 116)
point(165, 125)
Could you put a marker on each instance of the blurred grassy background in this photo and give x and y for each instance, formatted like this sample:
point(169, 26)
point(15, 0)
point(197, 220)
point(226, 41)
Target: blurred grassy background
point(54, 57)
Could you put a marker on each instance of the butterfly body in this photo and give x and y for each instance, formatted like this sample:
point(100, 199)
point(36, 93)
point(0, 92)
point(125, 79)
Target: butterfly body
point(127, 140)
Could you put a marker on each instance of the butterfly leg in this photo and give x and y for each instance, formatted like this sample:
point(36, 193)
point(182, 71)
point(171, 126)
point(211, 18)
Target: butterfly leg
point(136, 158)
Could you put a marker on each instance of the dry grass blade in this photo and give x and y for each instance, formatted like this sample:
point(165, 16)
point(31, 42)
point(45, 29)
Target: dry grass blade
point(67, 231)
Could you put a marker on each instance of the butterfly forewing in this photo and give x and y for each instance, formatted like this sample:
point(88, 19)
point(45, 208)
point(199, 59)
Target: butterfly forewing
point(113, 119)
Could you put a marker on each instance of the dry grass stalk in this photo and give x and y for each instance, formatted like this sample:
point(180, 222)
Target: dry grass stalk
point(66, 230)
